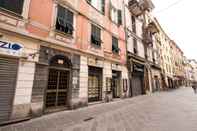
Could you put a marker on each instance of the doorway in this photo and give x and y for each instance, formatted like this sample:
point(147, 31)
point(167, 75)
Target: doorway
point(94, 84)
point(116, 87)
point(58, 83)
point(137, 85)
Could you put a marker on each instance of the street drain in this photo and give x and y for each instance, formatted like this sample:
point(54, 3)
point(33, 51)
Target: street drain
point(88, 119)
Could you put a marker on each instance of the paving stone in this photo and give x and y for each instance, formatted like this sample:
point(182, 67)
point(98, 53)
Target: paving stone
point(7, 128)
point(164, 111)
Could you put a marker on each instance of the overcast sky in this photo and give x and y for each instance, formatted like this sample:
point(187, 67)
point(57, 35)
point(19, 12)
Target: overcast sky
point(179, 22)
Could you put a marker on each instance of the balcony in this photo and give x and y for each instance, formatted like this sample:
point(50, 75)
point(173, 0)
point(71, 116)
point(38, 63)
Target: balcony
point(147, 5)
point(152, 28)
point(147, 37)
point(137, 7)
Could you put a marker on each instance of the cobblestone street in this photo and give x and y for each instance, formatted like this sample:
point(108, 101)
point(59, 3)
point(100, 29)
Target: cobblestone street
point(166, 111)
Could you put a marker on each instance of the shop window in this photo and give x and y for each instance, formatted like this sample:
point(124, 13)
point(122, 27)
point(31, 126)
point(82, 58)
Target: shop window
point(108, 84)
point(98, 4)
point(115, 48)
point(64, 22)
point(96, 36)
point(15, 6)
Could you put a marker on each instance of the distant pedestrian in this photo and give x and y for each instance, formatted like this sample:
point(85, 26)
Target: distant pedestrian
point(194, 86)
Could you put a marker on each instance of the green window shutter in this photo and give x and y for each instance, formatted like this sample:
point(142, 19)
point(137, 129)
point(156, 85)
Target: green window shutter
point(115, 48)
point(64, 20)
point(96, 35)
point(110, 10)
point(61, 12)
point(69, 20)
point(133, 24)
point(103, 6)
point(69, 17)
point(60, 22)
point(119, 17)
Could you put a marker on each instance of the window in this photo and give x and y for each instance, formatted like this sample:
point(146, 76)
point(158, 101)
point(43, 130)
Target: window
point(116, 15)
point(98, 4)
point(133, 24)
point(15, 6)
point(96, 36)
point(135, 48)
point(115, 48)
point(119, 17)
point(64, 22)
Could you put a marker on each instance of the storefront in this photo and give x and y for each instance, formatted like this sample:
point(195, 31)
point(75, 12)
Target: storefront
point(156, 78)
point(170, 82)
point(56, 82)
point(94, 84)
point(15, 81)
point(116, 84)
point(137, 86)
point(95, 80)
point(8, 75)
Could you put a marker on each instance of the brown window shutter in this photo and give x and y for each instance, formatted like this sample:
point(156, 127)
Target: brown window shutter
point(119, 17)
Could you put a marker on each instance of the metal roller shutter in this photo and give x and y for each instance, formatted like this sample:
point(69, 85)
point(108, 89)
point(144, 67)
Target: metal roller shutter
point(8, 74)
point(137, 85)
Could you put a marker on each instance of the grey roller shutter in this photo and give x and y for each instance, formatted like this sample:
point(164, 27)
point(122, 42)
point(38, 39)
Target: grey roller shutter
point(8, 74)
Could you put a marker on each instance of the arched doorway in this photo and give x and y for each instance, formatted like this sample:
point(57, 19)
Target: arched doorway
point(58, 83)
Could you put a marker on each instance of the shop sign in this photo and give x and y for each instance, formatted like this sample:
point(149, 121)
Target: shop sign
point(138, 68)
point(116, 67)
point(96, 63)
point(11, 48)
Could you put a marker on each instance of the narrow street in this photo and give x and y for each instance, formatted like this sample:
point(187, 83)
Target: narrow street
point(165, 111)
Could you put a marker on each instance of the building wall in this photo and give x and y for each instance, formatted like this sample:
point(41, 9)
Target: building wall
point(194, 69)
point(25, 73)
point(131, 35)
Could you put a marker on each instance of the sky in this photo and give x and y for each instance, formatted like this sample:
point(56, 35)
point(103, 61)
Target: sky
point(179, 21)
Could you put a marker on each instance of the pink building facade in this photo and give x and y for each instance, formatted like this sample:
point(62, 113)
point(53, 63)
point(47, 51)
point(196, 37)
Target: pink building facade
point(66, 53)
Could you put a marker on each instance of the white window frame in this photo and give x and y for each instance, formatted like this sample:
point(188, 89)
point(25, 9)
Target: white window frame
point(96, 4)
point(25, 10)
point(54, 18)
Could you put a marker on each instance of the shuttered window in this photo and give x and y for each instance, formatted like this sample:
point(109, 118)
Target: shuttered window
point(119, 17)
point(115, 14)
point(135, 46)
point(115, 48)
point(64, 22)
point(103, 6)
point(15, 6)
point(96, 36)
point(133, 24)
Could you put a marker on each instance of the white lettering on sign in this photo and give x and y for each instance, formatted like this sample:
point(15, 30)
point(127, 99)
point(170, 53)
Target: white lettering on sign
point(11, 48)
